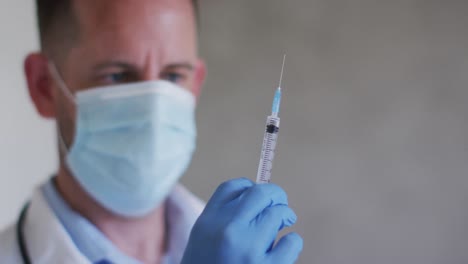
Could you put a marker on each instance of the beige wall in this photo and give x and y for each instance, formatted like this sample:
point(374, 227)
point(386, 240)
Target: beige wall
point(373, 148)
point(26, 142)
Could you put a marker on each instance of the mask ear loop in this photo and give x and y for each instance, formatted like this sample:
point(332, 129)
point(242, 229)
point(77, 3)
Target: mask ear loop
point(61, 83)
point(61, 141)
point(64, 88)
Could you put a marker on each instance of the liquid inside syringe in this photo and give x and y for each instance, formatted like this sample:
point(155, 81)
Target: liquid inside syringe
point(270, 138)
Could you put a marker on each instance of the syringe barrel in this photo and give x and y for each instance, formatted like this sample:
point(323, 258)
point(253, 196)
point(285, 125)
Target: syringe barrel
point(268, 150)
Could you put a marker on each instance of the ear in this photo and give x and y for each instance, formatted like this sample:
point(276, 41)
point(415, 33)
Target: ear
point(200, 76)
point(40, 84)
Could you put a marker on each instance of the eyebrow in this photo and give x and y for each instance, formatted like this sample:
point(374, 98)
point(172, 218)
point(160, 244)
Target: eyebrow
point(185, 65)
point(125, 65)
point(119, 64)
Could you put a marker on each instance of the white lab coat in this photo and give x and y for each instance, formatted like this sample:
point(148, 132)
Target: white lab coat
point(47, 241)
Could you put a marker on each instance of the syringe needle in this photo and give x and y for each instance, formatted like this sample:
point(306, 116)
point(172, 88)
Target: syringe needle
point(277, 99)
point(282, 70)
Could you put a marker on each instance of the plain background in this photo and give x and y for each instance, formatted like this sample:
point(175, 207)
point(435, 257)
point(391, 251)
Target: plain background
point(373, 149)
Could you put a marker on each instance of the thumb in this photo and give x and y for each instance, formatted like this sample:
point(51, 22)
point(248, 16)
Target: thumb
point(287, 249)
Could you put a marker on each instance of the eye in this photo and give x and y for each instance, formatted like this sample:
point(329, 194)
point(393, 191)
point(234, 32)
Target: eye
point(118, 77)
point(173, 77)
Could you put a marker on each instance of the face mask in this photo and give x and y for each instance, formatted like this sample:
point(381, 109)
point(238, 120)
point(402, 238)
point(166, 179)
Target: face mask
point(132, 142)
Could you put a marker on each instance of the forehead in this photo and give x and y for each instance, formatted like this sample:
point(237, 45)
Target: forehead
point(117, 26)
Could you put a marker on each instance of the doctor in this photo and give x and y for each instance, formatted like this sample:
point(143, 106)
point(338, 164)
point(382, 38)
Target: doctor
point(121, 78)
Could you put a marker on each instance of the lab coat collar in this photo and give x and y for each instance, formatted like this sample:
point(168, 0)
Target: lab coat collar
point(183, 209)
point(46, 239)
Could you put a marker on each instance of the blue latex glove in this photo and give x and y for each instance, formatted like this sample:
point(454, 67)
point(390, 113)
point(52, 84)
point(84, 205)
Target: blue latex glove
point(240, 224)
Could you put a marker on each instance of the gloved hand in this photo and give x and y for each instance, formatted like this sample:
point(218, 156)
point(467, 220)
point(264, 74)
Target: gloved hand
point(239, 226)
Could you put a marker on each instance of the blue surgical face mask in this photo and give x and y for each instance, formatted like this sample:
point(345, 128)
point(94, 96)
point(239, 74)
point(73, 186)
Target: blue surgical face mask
point(132, 142)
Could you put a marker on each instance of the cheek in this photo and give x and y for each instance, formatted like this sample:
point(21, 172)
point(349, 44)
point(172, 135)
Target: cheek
point(190, 84)
point(66, 119)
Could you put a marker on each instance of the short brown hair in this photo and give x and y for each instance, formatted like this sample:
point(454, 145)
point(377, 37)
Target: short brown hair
point(51, 13)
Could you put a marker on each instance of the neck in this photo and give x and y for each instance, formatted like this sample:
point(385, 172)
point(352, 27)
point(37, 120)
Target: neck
point(141, 238)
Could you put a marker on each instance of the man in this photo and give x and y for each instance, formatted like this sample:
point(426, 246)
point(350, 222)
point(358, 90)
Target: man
point(121, 79)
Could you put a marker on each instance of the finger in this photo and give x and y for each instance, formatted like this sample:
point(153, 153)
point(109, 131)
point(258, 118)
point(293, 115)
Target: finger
point(287, 249)
point(271, 221)
point(254, 200)
point(229, 191)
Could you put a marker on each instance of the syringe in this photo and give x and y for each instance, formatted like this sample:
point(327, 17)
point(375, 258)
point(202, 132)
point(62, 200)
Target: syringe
point(270, 137)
